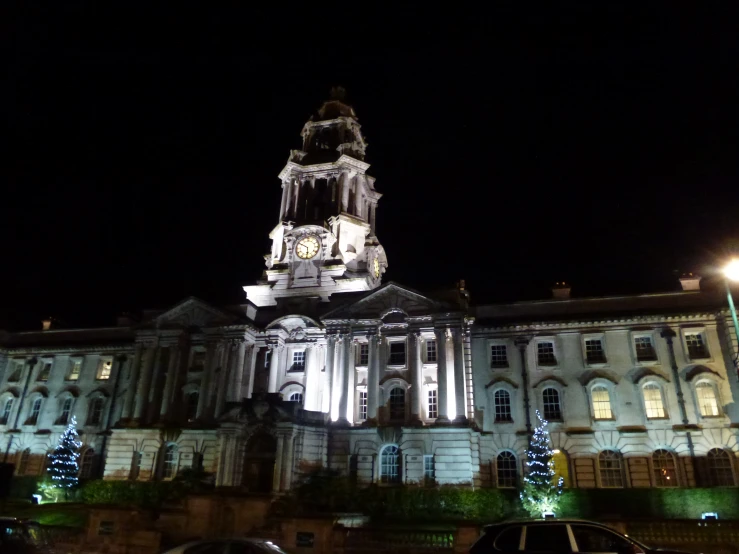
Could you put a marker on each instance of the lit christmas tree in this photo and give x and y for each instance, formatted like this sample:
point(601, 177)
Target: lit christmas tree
point(63, 466)
point(540, 495)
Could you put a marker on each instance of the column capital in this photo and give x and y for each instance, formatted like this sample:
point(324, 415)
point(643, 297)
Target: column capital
point(521, 342)
point(667, 333)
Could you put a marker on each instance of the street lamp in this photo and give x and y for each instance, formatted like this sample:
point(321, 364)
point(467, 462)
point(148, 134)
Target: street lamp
point(731, 272)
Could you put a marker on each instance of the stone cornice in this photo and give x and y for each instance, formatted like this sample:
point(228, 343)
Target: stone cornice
point(77, 350)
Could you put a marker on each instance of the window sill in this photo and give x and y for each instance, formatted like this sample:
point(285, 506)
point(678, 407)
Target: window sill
point(648, 362)
point(701, 360)
point(503, 421)
point(395, 366)
point(500, 367)
point(598, 365)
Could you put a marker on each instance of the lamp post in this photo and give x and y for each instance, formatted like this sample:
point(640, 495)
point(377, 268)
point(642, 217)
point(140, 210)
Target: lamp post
point(731, 272)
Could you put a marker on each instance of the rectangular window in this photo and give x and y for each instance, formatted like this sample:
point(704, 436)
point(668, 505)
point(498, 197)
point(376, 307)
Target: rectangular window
point(17, 372)
point(105, 366)
point(601, 403)
point(433, 407)
point(5, 415)
point(696, 343)
point(35, 411)
point(431, 353)
point(362, 414)
point(397, 353)
point(299, 361)
point(136, 464)
point(428, 468)
point(74, 370)
point(594, 352)
point(198, 361)
point(653, 401)
point(644, 349)
point(66, 411)
point(45, 372)
point(545, 353)
point(363, 354)
point(498, 355)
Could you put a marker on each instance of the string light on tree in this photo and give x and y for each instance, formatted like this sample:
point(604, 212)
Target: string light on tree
point(540, 496)
point(63, 462)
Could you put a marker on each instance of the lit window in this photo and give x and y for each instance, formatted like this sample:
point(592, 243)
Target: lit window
point(653, 401)
point(35, 411)
point(428, 468)
point(66, 411)
point(498, 355)
point(644, 349)
point(433, 408)
point(507, 471)
point(397, 353)
point(431, 352)
point(707, 402)
point(696, 344)
point(296, 397)
point(363, 354)
point(397, 404)
point(136, 464)
point(552, 407)
point(611, 472)
point(23, 462)
point(362, 405)
point(75, 366)
point(95, 413)
point(104, 369)
point(299, 361)
point(7, 408)
point(594, 352)
point(601, 402)
point(502, 406)
point(169, 465)
point(87, 463)
point(665, 472)
point(191, 405)
point(45, 372)
point(545, 353)
point(17, 372)
point(720, 470)
point(390, 464)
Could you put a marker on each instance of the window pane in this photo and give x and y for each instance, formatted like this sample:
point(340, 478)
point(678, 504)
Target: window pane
point(362, 405)
point(596, 539)
point(545, 353)
point(296, 397)
point(170, 462)
point(720, 470)
point(433, 407)
point(502, 406)
point(397, 403)
point(547, 538)
point(665, 473)
point(498, 355)
point(696, 345)
point(552, 409)
point(298, 361)
point(431, 355)
point(389, 465)
point(507, 470)
point(397, 353)
point(653, 401)
point(611, 473)
point(363, 354)
point(191, 406)
point(594, 351)
point(601, 403)
point(509, 540)
point(644, 349)
point(428, 467)
point(707, 399)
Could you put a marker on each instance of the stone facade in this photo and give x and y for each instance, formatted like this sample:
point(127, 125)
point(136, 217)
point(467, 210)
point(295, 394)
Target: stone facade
point(324, 366)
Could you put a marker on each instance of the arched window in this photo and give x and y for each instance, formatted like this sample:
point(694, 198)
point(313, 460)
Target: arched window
point(502, 405)
point(23, 461)
point(601, 402)
point(506, 470)
point(191, 405)
point(169, 464)
point(653, 403)
point(95, 411)
point(551, 404)
point(7, 408)
point(720, 469)
point(611, 469)
point(707, 399)
point(296, 397)
point(665, 471)
point(397, 404)
point(561, 467)
point(35, 411)
point(390, 464)
point(87, 463)
point(66, 411)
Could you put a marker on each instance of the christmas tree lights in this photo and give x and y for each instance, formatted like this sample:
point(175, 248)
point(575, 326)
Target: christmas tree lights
point(63, 464)
point(540, 496)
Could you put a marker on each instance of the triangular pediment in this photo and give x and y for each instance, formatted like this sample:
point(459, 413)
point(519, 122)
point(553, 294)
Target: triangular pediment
point(194, 312)
point(390, 299)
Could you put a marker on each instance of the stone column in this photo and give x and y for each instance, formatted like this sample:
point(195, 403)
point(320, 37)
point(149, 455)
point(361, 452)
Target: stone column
point(312, 380)
point(133, 382)
point(373, 209)
point(342, 375)
point(351, 385)
point(274, 368)
point(212, 355)
point(156, 388)
point(416, 367)
point(373, 378)
point(459, 384)
point(142, 392)
point(181, 367)
point(229, 356)
point(289, 197)
point(237, 374)
point(285, 193)
point(174, 357)
point(251, 366)
point(441, 376)
point(358, 197)
point(289, 456)
point(330, 351)
point(345, 185)
point(279, 459)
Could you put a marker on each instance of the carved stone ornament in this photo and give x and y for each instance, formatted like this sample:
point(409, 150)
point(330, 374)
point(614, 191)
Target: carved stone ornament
point(297, 334)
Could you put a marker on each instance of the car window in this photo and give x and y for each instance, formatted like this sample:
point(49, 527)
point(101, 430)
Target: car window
point(210, 547)
point(596, 540)
point(547, 539)
point(244, 548)
point(485, 543)
point(509, 540)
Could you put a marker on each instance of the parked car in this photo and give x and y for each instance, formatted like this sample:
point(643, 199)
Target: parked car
point(228, 546)
point(559, 536)
point(18, 536)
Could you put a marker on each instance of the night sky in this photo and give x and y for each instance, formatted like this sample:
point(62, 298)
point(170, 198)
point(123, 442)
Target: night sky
point(512, 149)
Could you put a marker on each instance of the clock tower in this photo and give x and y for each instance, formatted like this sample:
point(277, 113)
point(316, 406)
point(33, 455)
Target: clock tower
point(324, 242)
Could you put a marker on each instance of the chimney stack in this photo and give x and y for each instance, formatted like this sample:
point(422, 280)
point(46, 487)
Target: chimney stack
point(690, 281)
point(561, 291)
point(47, 323)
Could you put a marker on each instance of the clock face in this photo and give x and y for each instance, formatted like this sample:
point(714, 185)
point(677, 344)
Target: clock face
point(376, 267)
point(307, 248)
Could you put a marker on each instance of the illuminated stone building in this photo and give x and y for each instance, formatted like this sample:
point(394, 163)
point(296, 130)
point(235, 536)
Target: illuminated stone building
point(323, 365)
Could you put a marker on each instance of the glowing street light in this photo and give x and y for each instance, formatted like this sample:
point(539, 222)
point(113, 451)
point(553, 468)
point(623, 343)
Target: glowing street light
point(731, 272)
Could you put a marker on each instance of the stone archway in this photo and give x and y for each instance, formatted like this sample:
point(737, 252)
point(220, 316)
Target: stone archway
point(259, 462)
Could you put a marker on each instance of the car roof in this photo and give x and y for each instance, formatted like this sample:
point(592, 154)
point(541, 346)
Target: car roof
point(542, 522)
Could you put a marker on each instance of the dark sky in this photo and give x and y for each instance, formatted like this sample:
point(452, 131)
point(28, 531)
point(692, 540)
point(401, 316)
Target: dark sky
point(514, 148)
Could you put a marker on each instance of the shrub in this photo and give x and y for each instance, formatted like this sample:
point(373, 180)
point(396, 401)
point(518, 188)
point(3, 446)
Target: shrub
point(142, 494)
point(22, 487)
